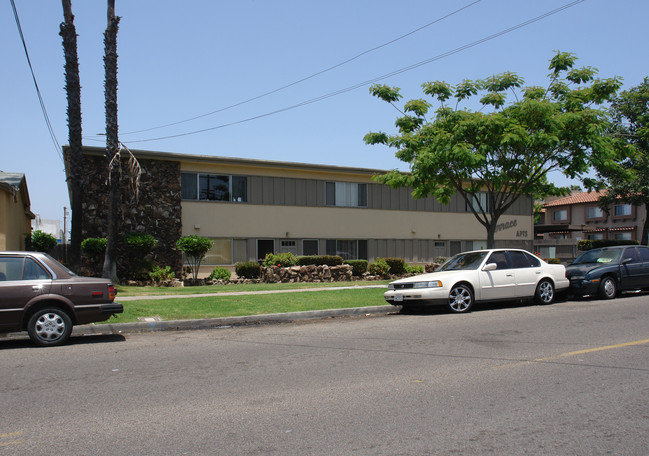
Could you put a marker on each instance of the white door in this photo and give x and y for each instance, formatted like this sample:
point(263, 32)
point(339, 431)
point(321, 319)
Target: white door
point(499, 283)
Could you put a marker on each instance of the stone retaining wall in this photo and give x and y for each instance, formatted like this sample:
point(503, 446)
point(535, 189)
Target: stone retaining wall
point(311, 273)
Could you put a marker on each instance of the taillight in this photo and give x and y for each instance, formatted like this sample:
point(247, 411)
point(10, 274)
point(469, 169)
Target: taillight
point(111, 292)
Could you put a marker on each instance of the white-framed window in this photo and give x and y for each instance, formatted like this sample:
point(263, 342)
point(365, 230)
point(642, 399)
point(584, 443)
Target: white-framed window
point(346, 194)
point(348, 249)
point(481, 200)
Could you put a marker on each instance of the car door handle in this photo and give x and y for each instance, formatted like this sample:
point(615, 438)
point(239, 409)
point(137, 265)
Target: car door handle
point(37, 287)
point(509, 275)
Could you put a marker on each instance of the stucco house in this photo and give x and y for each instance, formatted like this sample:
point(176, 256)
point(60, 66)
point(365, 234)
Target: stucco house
point(15, 213)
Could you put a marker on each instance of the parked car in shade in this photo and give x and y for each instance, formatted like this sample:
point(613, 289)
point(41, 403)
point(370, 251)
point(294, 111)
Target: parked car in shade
point(481, 275)
point(608, 270)
point(41, 296)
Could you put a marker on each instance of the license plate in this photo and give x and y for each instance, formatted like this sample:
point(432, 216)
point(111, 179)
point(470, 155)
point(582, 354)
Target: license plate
point(398, 298)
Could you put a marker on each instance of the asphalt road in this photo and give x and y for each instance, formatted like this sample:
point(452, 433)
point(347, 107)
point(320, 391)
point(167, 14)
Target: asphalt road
point(567, 379)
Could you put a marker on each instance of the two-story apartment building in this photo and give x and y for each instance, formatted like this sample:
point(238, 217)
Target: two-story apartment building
point(252, 207)
point(578, 216)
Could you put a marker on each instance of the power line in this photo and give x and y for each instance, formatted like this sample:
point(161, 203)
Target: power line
point(373, 80)
point(344, 62)
point(57, 146)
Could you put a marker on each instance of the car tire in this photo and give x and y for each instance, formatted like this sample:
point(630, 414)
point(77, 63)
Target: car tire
point(544, 292)
point(608, 288)
point(460, 299)
point(49, 327)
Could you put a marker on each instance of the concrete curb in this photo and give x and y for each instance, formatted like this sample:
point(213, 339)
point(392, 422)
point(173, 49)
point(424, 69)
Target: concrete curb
point(225, 322)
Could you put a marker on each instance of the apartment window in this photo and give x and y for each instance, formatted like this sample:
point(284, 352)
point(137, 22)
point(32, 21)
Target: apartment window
point(594, 212)
point(622, 210)
point(310, 247)
point(346, 194)
point(560, 215)
point(347, 249)
point(214, 187)
point(623, 236)
point(479, 202)
point(220, 253)
point(596, 236)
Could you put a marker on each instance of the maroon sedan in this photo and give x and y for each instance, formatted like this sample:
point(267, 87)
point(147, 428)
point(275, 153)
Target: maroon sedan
point(41, 296)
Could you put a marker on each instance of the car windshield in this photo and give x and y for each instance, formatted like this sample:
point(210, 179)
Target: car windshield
point(469, 260)
point(599, 256)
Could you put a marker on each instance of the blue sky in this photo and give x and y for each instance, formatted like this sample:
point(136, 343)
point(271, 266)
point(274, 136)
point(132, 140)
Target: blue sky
point(183, 60)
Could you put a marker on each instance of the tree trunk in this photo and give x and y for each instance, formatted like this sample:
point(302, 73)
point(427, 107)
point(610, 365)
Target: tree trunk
point(491, 233)
point(644, 240)
point(112, 144)
point(73, 90)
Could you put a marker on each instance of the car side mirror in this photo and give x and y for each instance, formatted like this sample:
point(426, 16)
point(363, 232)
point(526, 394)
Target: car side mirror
point(490, 267)
point(627, 260)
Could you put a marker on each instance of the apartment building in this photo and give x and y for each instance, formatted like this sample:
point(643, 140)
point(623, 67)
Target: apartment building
point(252, 207)
point(567, 220)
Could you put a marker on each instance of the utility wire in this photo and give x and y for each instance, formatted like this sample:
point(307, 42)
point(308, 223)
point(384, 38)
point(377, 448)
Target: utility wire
point(308, 77)
point(57, 146)
point(373, 80)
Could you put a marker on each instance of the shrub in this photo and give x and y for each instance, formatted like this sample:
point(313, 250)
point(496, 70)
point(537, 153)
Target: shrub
point(440, 259)
point(139, 244)
point(380, 267)
point(195, 248)
point(319, 260)
point(414, 269)
point(283, 260)
point(220, 273)
point(248, 270)
point(554, 261)
point(359, 267)
point(397, 265)
point(94, 247)
point(159, 275)
point(589, 244)
point(43, 242)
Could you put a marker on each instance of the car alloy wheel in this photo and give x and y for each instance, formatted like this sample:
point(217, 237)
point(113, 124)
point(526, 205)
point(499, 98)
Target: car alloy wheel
point(460, 299)
point(49, 327)
point(545, 292)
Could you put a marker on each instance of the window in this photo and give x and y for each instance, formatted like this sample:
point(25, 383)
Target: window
point(214, 187)
point(500, 259)
point(594, 212)
point(347, 249)
point(239, 251)
point(644, 253)
point(479, 202)
point(523, 260)
point(622, 210)
point(346, 194)
point(631, 254)
point(310, 247)
point(623, 236)
point(560, 215)
point(34, 271)
point(220, 253)
point(595, 236)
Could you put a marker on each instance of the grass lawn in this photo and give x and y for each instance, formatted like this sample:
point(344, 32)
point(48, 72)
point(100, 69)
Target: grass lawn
point(229, 306)
point(123, 290)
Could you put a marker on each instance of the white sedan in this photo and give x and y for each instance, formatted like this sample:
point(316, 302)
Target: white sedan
point(481, 275)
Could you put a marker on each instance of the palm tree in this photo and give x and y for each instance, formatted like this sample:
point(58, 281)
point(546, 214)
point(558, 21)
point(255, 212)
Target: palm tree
point(75, 156)
point(112, 143)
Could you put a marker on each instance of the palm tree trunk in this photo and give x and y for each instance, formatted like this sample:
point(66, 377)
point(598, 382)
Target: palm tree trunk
point(73, 90)
point(112, 143)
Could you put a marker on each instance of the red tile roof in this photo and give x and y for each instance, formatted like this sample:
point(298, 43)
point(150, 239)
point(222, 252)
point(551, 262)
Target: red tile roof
point(576, 198)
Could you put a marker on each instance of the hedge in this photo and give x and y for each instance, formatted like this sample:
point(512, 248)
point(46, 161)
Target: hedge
point(589, 244)
point(318, 260)
point(359, 267)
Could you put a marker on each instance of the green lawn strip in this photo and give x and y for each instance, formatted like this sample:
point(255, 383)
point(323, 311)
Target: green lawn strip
point(233, 306)
point(125, 290)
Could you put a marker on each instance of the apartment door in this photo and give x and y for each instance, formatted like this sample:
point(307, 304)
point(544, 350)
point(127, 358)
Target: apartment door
point(288, 247)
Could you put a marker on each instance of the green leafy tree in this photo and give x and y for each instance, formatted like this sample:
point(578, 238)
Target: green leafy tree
point(194, 248)
point(506, 149)
point(43, 242)
point(627, 178)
